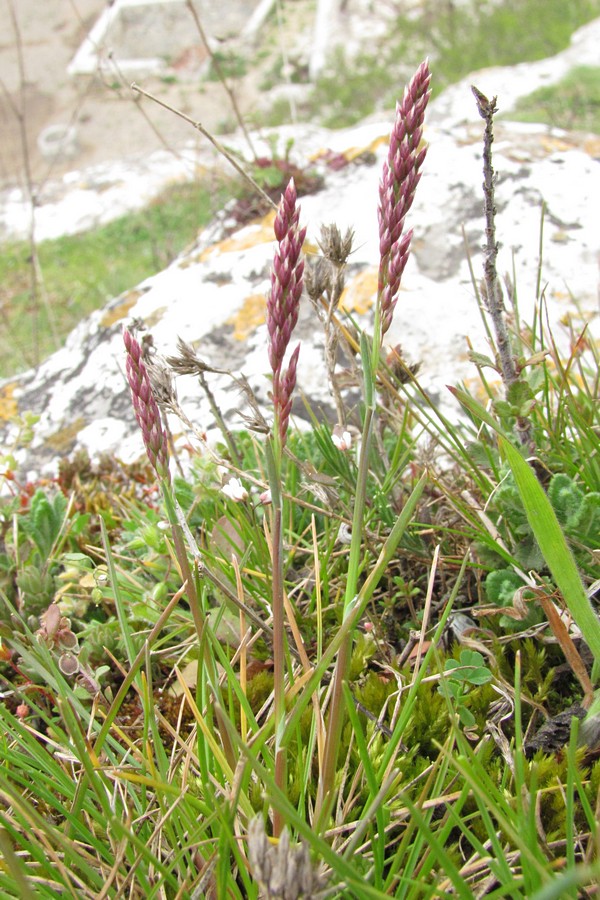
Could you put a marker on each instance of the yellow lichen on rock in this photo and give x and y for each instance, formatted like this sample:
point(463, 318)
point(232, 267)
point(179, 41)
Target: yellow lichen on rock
point(62, 440)
point(121, 310)
point(257, 233)
point(591, 146)
point(360, 293)
point(249, 316)
point(8, 405)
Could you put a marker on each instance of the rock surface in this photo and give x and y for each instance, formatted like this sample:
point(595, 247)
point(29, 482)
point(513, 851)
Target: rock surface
point(213, 297)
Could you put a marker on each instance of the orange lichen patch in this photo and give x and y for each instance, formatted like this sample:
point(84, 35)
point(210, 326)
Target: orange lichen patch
point(8, 405)
point(117, 313)
point(352, 153)
point(62, 440)
point(359, 295)
point(478, 390)
point(575, 318)
point(553, 144)
point(249, 316)
point(380, 141)
point(251, 236)
point(310, 249)
point(561, 296)
point(155, 317)
point(591, 146)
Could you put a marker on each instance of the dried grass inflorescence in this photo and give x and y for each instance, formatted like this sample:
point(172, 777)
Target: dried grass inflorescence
point(401, 175)
point(284, 871)
point(283, 303)
point(146, 407)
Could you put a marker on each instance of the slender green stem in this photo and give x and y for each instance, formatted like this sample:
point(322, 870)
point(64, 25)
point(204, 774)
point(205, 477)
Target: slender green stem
point(182, 559)
point(278, 660)
point(325, 796)
point(197, 612)
point(12, 866)
point(273, 459)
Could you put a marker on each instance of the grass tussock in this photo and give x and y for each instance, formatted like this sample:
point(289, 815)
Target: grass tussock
point(359, 661)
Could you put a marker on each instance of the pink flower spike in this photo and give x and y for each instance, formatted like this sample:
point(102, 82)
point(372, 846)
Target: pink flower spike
point(399, 180)
point(286, 384)
point(145, 407)
point(283, 303)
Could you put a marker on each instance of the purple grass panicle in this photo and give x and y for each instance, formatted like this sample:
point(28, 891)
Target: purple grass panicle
point(283, 304)
point(145, 407)
point(401, 175)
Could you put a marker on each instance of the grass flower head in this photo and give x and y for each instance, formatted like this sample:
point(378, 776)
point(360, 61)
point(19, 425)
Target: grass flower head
point(401, 175)
point(283, 304)
point(145, 407)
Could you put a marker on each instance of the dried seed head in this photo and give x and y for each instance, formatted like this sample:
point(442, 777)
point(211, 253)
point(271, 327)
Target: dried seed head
point(188, 363)
point(317, 278)
point(399, 368)
point(256, 421)
point(486, 108)
point(334, 247)
point(285, 872)
point(163, 387)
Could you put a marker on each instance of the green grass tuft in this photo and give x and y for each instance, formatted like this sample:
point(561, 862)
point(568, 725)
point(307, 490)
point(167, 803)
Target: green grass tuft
point(83, 272)
point(573, 103)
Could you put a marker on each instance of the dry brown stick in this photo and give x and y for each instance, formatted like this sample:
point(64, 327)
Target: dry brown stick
point(493, 290)
point(207, 134)
point(38, 291)
point(221, 76)
point(568, 647)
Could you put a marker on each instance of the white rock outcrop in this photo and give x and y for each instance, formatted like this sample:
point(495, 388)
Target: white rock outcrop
point(213, 296)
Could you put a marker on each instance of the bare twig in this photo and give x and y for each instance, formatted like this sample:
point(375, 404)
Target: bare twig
point(216, 144)
point(38, 291)
point(493, 290)
point(221, 76)
point(140, 108)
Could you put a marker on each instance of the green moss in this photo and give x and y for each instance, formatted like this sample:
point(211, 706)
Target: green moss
point(430, 724)
point(258, 689)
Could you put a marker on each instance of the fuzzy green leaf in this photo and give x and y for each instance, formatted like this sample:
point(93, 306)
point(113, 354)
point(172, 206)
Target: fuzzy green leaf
point(482, 361)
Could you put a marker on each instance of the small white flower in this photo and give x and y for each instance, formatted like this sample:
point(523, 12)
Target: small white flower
point(265, 497)
point(341, 438)
point(235, 490)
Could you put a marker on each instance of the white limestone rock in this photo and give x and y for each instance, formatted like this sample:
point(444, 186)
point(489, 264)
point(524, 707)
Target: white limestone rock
point(213, 297)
